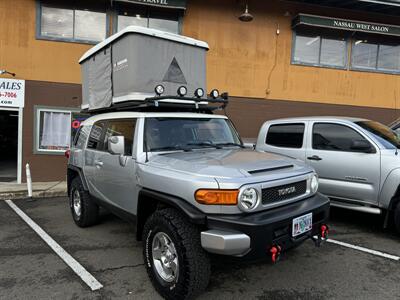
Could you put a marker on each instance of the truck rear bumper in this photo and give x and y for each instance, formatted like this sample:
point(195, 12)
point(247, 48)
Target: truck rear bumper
point(253, 235)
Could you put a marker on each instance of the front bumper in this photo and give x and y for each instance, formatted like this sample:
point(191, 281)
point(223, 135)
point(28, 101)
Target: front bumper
point(252, 235)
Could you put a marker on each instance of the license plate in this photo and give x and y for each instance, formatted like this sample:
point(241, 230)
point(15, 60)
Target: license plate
point(302, 224)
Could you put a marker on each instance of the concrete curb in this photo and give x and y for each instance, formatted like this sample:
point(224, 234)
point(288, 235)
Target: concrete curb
point(47, 190)
point(36, 194)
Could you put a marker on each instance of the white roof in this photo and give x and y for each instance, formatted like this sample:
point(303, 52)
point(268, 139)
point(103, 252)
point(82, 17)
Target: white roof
point(146, 31)
point(128, 114)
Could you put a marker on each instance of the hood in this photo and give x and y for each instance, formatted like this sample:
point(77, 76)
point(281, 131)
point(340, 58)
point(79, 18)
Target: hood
point(226, 163)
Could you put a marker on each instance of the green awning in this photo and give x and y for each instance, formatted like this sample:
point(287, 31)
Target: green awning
point(177, 4)
point(344, 24)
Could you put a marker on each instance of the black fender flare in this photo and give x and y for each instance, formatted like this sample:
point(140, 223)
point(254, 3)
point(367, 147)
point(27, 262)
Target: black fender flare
point(73, 169)
point(145, 208)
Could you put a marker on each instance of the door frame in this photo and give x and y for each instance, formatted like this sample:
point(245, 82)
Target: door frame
point(20, 111)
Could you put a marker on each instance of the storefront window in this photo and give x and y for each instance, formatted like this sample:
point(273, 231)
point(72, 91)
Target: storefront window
point(53, 130)
point(389, 58)
point(166, 20)
point(83, 23)
point(364, 54)
point(320, 50)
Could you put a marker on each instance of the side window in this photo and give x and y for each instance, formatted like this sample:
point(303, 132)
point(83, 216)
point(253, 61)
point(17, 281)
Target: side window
point(334, 137)
point(95, 141)
point(81, 136)
point(126, 128)
point(286, 135)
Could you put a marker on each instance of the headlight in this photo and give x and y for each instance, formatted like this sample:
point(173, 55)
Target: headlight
point(314, 184)
point(248, 199)
point(159, 89)
point(199, 92)
point(214, 93)
point(182, 91)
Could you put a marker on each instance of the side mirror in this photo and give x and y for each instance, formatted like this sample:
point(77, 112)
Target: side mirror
point(116, 145)
point(362, 146)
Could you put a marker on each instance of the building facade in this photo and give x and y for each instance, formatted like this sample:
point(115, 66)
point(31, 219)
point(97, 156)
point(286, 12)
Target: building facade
point(295, 58)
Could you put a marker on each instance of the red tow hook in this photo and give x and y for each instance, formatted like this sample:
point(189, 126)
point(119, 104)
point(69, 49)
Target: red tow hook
point(275, 253)
point(324, 231)
point(322, 236)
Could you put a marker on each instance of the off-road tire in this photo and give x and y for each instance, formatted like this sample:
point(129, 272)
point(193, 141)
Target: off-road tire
point(194, 263)
point(397, 217)
point(89, 210)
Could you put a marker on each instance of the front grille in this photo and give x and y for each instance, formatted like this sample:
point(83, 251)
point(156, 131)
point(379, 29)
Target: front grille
point(283, 192)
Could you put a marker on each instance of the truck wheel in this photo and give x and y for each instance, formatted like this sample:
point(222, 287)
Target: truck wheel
point(397, 217)
point(84, 211)
point(177, 265)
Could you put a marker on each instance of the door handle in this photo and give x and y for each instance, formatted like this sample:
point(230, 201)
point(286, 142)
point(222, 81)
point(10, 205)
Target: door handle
point(98, 163)
point(314, 157)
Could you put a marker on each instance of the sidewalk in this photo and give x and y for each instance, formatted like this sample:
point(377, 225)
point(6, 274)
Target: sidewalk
point(11, 191)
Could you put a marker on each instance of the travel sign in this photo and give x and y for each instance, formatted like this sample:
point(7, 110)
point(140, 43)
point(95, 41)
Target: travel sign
point(317, 21)
point(180, 4)
point(12, 92)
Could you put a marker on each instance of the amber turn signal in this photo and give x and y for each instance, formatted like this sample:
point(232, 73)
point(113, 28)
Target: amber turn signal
point(217, 197)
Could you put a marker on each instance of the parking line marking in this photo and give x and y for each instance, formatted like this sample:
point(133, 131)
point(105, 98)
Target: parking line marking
point(366, 250)
point(65, 256)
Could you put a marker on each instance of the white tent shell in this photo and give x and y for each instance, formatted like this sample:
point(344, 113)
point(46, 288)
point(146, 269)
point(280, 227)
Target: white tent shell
point(129, 64)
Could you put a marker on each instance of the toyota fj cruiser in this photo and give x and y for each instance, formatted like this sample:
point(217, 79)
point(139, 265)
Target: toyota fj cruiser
point(182, 175)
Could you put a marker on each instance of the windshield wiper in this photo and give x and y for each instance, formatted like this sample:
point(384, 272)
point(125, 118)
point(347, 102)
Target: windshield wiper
point(170, 148)
point(231, 144)
point(207, 144)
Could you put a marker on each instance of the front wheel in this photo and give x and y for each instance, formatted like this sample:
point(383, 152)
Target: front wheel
point(177, 265)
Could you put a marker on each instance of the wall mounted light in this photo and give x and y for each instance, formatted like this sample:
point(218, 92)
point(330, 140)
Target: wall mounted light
point(6, 72)
point(246, 16)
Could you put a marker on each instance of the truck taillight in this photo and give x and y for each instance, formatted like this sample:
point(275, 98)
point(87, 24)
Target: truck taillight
point(67, 153)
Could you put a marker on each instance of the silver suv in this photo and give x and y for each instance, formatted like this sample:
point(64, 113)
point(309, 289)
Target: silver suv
point(357, 160)
point(191, 188)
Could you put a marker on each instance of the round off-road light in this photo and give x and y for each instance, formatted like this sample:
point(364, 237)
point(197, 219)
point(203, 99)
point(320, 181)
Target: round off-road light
point(214, 93)
point(199, 92)
point(248, 199)
point(159, 89)
point(182, 91)
point(314, 184)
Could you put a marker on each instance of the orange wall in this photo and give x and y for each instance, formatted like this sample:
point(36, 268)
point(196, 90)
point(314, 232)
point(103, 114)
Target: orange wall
point(243, 58)
point(244, 61)
point(33, 59)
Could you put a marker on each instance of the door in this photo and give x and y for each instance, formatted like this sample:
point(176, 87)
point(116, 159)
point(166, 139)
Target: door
point(344, 171)
point(8, 145)
point(94, 149)
point(115, 175)
point(287, 139)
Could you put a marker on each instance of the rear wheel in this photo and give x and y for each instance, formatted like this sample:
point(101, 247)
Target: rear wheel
point(84, 211)
point(397, 217)
point(177, 265)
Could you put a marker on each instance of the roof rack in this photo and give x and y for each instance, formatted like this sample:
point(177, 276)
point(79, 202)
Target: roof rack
point(168, 104)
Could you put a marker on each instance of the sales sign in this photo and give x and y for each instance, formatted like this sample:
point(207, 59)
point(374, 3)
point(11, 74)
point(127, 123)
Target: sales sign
point(12, 92)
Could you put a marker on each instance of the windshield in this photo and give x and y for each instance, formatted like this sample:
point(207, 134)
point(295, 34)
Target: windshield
point(167, 134)
point(386, 136)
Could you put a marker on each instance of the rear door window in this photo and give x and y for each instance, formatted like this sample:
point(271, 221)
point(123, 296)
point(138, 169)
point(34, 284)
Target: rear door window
point(81, 137)
point(95, 138)
point(286, 135)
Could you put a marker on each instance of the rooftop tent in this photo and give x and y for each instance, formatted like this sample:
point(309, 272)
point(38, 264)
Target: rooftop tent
point(128, 65)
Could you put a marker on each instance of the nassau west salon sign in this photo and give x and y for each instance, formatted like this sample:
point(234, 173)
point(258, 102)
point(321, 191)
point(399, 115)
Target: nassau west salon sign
point(12, 93)
point(317, 21)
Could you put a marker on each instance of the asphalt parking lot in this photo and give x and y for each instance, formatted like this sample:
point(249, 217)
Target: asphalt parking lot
point(30, 269)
